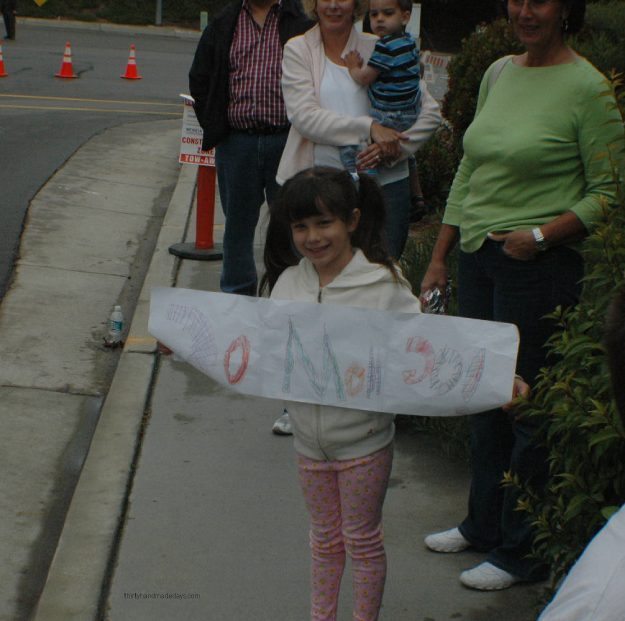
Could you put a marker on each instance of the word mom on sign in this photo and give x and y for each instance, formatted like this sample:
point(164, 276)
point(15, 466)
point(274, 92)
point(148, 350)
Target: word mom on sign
point(344, 356)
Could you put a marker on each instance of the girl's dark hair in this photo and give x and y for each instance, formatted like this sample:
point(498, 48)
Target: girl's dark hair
point(306, 194)
point(575, 20)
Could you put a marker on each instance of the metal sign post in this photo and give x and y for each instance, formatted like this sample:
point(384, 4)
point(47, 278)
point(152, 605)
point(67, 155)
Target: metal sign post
point(204, 249)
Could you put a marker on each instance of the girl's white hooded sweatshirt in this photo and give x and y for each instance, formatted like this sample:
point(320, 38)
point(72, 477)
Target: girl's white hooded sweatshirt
point(326, 432)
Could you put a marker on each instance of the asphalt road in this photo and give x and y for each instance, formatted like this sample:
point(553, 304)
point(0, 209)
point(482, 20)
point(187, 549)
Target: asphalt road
point(43, 119)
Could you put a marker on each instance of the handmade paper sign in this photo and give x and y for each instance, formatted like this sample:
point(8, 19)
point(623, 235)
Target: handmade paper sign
point(384, 361)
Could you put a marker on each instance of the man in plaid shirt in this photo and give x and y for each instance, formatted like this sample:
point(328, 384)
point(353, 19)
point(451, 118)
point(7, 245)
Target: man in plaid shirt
point(235, 81)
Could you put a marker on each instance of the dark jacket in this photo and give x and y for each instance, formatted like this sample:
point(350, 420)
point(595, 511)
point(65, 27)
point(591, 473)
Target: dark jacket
point(208, 77)
point(8, 6)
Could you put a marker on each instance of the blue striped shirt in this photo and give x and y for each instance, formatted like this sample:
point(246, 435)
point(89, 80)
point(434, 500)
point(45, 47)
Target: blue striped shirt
point(396, 57)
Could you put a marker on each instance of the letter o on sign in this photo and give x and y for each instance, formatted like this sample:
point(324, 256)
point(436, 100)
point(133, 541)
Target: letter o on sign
point(243, 344)
point(354, 379)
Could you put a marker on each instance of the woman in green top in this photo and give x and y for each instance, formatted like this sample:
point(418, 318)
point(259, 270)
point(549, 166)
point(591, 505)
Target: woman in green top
point(534, 175)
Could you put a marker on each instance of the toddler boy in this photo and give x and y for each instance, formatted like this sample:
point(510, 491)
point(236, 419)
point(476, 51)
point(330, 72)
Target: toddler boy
point(392, 73)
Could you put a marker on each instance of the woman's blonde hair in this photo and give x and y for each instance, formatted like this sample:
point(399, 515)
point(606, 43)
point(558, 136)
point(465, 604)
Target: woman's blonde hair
point(360, 8)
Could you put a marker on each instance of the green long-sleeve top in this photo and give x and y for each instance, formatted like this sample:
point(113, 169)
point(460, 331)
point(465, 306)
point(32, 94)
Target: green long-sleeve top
point(537, 147)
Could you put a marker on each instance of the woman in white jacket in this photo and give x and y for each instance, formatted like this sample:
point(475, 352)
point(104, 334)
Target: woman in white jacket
point(344, 455)
point(327, 109)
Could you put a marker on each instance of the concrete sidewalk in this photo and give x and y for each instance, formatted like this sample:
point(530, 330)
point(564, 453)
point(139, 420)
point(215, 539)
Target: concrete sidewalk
point(215, 528)
point(186, 506)
point(88, 237)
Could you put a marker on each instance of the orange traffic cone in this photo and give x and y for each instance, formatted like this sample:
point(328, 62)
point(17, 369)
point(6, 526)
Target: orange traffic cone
point(66, 70)
point(3, 73)
point(131, 67)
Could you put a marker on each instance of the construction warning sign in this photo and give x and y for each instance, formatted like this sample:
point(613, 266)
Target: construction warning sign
point(435, 74)
point(191, 141)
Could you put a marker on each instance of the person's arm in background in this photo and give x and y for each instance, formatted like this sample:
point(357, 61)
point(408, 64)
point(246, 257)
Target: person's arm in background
point(436, 276)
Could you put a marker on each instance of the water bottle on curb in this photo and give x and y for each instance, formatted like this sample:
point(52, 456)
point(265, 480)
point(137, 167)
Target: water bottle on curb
point(116, 327)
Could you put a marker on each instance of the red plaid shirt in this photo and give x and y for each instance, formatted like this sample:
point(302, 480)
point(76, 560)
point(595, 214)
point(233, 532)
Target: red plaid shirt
point(255, 72)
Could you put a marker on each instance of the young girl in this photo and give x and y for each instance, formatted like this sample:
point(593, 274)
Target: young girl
point(335, 225)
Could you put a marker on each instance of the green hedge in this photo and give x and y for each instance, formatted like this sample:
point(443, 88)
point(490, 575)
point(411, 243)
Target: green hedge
point(603, 39)
point(579, 422)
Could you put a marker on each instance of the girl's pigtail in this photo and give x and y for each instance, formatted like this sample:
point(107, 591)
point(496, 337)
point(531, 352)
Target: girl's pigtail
point(278, 253)
point(370, 236)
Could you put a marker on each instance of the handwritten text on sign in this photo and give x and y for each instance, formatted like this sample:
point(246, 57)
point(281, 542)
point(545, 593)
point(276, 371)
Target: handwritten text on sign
point(352, 357)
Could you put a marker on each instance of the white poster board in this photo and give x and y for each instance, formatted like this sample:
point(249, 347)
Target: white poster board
point(191, 139)
point(381, 361)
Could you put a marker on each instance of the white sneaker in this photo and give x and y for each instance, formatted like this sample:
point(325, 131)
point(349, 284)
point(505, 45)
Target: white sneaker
point(448, 541)
point(487, 577)
point(282, 426)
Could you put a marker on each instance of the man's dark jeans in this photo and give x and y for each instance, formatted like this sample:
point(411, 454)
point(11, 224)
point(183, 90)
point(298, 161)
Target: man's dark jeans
point(246, 173)
point(493, 286)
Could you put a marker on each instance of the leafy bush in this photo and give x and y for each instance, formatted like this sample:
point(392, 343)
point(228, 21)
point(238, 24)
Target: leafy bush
point(602, 40)
point(444, 23)
point(572, 401)
point(437, 161)
point(479, 50)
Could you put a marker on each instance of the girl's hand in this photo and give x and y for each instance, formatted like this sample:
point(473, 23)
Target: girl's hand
point(388, 140)
point(520, 390)
point(163, 349)
point(519, 245)
point(435, 277)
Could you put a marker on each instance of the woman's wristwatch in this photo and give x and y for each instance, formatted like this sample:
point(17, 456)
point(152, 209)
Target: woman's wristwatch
point(539, 238)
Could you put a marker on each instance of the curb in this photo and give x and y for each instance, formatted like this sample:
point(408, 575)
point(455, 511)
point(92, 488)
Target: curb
point(82, 562)
point(68, 24)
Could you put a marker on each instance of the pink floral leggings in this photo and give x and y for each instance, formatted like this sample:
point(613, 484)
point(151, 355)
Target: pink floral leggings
point(344, 499)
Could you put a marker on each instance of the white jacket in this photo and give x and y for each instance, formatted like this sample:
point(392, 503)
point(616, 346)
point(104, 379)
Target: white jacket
point(594, 590)
point(303, 63)
point(325, 432)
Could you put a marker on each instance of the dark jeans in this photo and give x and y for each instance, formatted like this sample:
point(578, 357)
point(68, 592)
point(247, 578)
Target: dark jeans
point(246, 173)
point(397, 199)
point(495, 287)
